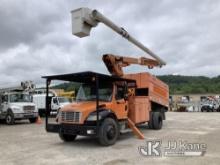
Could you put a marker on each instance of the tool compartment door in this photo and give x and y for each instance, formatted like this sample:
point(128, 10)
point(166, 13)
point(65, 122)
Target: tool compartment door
point(139, 108)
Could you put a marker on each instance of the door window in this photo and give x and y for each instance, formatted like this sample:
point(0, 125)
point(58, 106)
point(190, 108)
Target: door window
point(55, 101)
point(119, 93)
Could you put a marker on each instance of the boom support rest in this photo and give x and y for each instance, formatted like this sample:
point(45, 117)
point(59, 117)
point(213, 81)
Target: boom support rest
point(135, 130)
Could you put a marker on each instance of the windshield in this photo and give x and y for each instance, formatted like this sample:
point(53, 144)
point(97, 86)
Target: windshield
point(63, 100)
point(20, 97)
point(88, 93)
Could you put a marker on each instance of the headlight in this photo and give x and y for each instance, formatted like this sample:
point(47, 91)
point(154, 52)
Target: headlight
point(93, 117)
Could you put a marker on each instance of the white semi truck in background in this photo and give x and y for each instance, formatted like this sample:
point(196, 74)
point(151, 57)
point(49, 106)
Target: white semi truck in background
point(16, 103)
point(56, 102)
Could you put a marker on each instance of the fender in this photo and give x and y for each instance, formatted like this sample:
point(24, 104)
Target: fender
point(9, 110)
point(106, 113)
point(103, 113)
point(4, 113)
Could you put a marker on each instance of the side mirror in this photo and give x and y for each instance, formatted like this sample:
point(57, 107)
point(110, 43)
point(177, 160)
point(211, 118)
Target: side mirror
point(126, 97)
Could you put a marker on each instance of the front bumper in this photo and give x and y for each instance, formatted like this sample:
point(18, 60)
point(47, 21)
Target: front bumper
point(72, 129)
point(25, 115)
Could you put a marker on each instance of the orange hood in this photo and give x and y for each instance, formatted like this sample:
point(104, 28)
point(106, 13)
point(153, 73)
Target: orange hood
point(84, 106)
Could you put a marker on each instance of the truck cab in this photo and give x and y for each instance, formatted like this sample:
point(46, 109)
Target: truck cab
point(17, 106)
point(58, 102)
point(112, 98)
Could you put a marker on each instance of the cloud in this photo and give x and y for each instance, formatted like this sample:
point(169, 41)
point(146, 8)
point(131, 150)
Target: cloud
point(36, 40)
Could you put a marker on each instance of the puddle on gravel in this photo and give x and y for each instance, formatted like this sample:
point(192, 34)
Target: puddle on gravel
point(116, 161)
point(122, 146)
point(193, 132)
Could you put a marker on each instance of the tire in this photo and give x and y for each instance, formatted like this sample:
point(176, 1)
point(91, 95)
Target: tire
point(157, 120)
point(33, 120)
point(67, 137)
point(10, 120)
point(150, 122)
point(108, 132)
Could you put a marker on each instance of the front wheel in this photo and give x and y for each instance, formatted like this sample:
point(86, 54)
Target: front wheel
point(108, 132)
point(10, 118)
point(67, 137)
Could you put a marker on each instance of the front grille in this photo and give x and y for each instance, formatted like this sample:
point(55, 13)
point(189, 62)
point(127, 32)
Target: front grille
point(28, 107)
point(71, 117)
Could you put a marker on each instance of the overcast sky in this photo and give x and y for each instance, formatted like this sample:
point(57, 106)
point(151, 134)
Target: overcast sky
point(36, 39)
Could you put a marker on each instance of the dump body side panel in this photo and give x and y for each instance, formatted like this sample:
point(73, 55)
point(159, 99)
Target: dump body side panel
point(158, 91)
point(152, 90)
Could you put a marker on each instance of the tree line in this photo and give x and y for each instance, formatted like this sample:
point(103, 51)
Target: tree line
point(178, 84)
point(191, 84)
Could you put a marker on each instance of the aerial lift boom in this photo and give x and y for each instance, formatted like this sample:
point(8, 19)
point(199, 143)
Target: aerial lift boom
point(115, 63)
point(83, 19)
point(24, 86)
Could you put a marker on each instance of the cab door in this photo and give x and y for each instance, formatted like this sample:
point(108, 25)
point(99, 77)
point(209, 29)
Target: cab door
point(54, 103)
point(121, 104)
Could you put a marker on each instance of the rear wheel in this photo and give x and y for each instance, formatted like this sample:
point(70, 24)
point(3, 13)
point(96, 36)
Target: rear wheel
point(67, 137)
point(108, 132)
point(157, 120)
point(150, 122)
point(10, 118)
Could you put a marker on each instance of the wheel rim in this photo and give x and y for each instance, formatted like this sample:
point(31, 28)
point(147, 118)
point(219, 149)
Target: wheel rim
point(111, 132)
point(8, 119)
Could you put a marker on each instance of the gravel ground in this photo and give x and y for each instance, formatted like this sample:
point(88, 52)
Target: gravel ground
point(25, 143)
